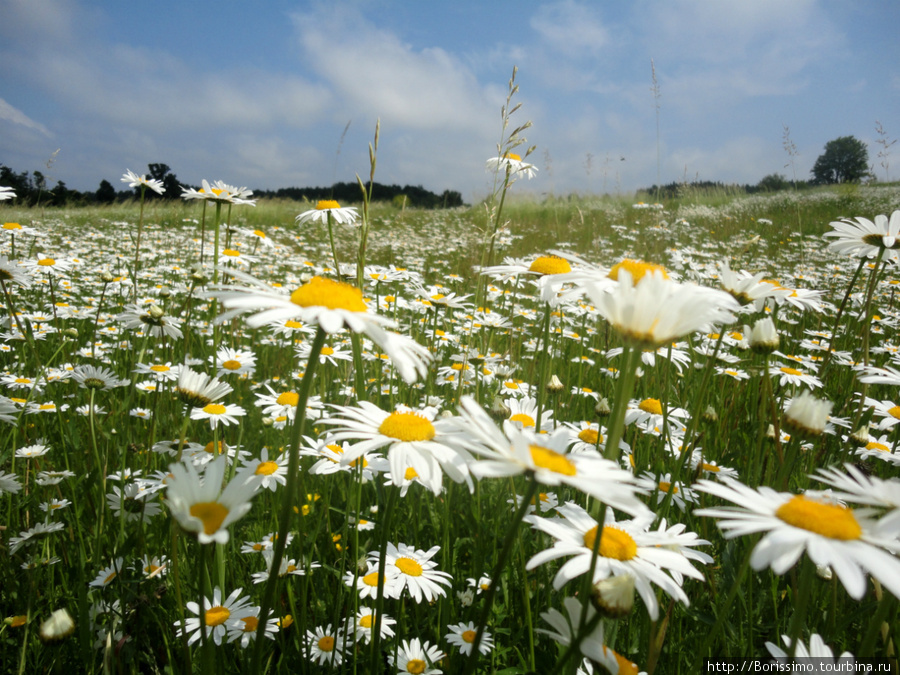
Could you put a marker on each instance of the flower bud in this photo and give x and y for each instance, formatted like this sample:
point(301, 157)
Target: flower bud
point(555, 386)
point(499, 410)
point(613, 597)
point(107, 277)
point(602, 408)
point(709, 415)
point(156, 312)
point(860, 437)
point(764, 337)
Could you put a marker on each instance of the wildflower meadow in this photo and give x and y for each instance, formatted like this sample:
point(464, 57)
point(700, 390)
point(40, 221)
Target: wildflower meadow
point(566, 435)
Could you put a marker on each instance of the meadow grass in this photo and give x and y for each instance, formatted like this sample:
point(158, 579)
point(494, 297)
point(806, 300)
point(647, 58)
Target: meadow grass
point(126, 572)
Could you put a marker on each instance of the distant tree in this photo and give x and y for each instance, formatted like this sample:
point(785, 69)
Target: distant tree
point(451, 199)
point(161, 172)
point(60, 194)
point(106, 193)
point(773, 183)
point(845, 160)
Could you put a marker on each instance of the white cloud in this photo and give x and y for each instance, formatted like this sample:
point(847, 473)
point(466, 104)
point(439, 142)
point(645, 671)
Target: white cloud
point(16, 116)
point(569, 27)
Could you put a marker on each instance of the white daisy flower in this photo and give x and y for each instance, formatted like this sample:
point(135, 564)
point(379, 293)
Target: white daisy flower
point(513, 164)
point(415, 571)
point(627, 548)
point(329, 207)
point(218, 413)
point(216, 615)
point(199, 503)
point(462, 635)
point(831, 534)
point(416, 658)
point(134, 181)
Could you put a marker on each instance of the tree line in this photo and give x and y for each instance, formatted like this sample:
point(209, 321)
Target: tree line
point(33, 189)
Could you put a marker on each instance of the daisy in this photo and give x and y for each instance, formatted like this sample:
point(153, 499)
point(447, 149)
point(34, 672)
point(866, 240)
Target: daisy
point(807, 414)
point(245, 623)
point(362, 627)
point(523, 412)
point(55, 505)
point(415, 571)
point(94, 377)
point(234, 362)
point(271, 472)
point(219, 192)
point(9, 482)
point(831, 534)
point(45, 478)
point(883, 375)
point(416, 658)
point(413, 439)
point(6, 193)
point(794, 377)
point(746, 288)
point(513, 452)
point(108, 574)
point(150, 320)
point(199, 389)
point(32, 451)
point(216, 615)
point(232, 256)
point(285, 568)
point(332, 305)
point(326, 208)
point(462, 635)
point(330, 460)
point(654, 311)
point(218, 413)
point(199, 503)
point(134, 181)
point(550, 271)
point(512, 164)
point(32, 535)
point(328, 354)
point(258, 236)
point(566, 626)
point(367, 584)
point(817, 649)
point(155, 566)
point(11, 272)
point(861, 238)
point(325, 645)
point(627, 548)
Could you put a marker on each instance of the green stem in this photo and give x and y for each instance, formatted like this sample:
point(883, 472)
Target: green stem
point(290, 495)
point(530, 491)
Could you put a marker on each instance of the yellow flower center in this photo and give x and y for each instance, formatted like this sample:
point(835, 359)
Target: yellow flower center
point(626, 667)
point(790, 371)
point(211, 448)
point(830, 520)
point(410, 473)
point(415, 666)
point(46, 262)
point(326, 644)
point(550, 264)
point(637, 269)
point(290, 323)
point(614, 543)
point(250, 624)
point(321, 292)
point(214, 409)
point(712, 468)
point(872, 445)
point(371, 579)
point(407, 427)
point(327, 351)
point(288, 398)
point(216, 616)
point(513, 156)
point(651, 405)
point(110, 577)
point(590, 436)
point(468, 636)
point(260, 234)
point(526, 420)
point(665, 486)
point(231, 364)
point(12, 226)
point(231, 253)
point(409, 567)
point(211, 514)
point(160, 369)
point(266, 468)
point(365, 621)
point(545, 458)
point(324, 204)
point(895, 412)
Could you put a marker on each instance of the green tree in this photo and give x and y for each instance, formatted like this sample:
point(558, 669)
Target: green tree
point(845, 160)
point(106, 193)
point(773, 183)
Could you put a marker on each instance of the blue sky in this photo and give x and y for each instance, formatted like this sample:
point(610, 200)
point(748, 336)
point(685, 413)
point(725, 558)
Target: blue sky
point(258, 94)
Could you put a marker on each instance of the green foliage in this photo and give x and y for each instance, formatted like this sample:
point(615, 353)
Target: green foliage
point(845, 160)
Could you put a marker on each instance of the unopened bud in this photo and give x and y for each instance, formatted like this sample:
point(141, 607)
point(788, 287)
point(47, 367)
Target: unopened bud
point(71, 332)
point(499, 410)
point(860, 437)
point(602, 408)
point(165, 292)
point(268, 421)
point(156, 312)
point(764, 337)
point(613, 597)
point(770, 432)
point(709, 415)
point(107, 277)
point(555, 386)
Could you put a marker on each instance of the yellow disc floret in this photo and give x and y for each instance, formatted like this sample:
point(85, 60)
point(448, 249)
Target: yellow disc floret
point(829, 520)
point(321, 292)
point(614, 543)
point(550, 264)
point(407, 427)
